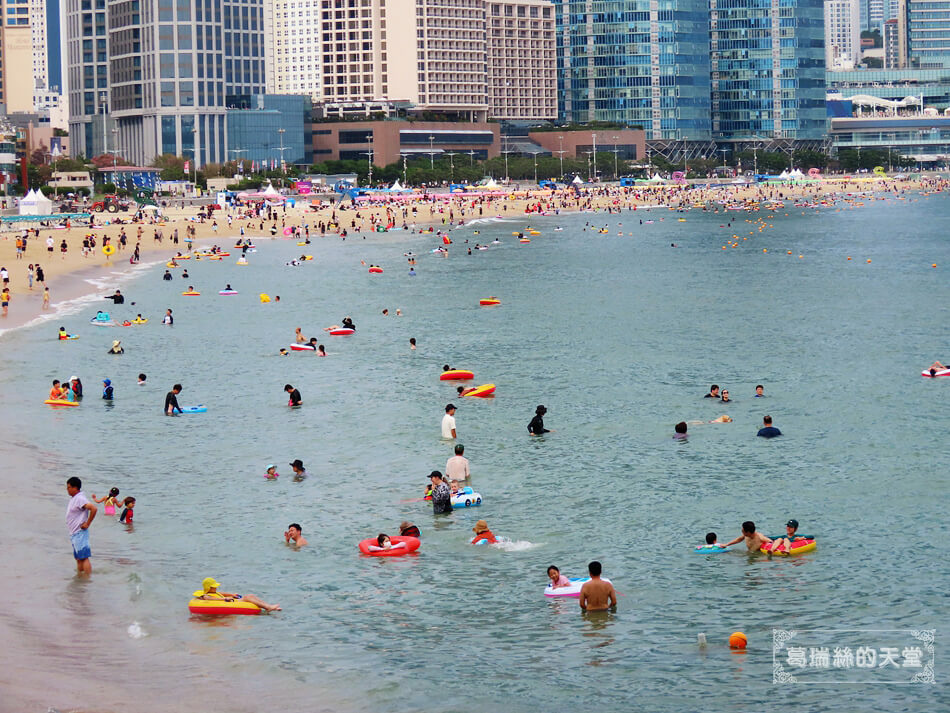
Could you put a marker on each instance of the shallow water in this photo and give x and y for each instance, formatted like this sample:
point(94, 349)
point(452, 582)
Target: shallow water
point(619, 336)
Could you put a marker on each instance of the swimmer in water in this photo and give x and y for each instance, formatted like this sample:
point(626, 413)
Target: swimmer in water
point(558, 580)
point(321, 350)
point(935, 367)
point(299, 338)
point(284, 352)
point(227, 288)
point(412, 343)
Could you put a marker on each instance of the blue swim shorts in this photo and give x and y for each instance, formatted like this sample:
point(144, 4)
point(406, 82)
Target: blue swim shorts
point(80, 542)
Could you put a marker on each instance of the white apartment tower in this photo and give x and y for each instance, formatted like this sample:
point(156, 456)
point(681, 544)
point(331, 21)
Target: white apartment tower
point(440, 55)
point(842, 34)
point(522, 80)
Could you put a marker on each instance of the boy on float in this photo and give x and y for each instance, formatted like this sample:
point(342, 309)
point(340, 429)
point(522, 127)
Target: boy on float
point(210, 591)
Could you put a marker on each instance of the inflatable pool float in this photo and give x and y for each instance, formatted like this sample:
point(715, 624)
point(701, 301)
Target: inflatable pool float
point(308, 257)
point(172, 264)
point(102, 322)
point(126, 323)
point(264, 297)
point(200, 408)
point(942, 372)
point(302, 348)
point(710, 549)
point(301, 244)
point(139, 321)
point(376, 270)
point(60, 402)
point(574, 590)
point(191, 294)
point(342, 332)
point(798, 548)
point(215, 257)
point(454, 374)
point(288, 232)
point(228, 292)
point(482, 391)
point(489, 301)
point(68, 337)
point(466, 497)
point(412, 544)
point(221, 607)
point(524, 240)
point(108, 250)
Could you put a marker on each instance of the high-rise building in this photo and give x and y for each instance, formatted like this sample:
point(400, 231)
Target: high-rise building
point(292, 31)
point(636, 62)
point(17, 58)
point(522, 83)
point(442, 56)
point(842, 34)
point(768, 69)
point(893, 49)
point(926, 26)
point(161, 80)
point(875, 14)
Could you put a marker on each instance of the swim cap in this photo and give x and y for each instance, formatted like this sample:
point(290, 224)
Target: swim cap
point(107, 382)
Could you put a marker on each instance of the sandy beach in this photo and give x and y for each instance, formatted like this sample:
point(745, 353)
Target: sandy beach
point(73, 274)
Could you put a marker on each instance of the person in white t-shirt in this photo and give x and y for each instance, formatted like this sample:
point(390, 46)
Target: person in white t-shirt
point(448, 422)
point(457, 467)
point(79, 515)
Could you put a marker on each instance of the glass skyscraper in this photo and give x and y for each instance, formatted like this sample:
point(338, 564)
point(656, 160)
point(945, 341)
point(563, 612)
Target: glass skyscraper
point(163, 72)
point(768, 69)
point(636, 62)
point(928, 33)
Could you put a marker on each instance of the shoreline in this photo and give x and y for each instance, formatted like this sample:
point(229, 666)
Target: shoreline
point(68, 278)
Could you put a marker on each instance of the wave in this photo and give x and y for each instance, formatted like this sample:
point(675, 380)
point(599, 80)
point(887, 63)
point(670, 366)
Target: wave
point(509, 545)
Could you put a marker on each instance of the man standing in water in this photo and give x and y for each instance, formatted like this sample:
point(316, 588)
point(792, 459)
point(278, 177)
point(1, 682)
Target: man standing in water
point(171, 400)
point(441, 495)
point(448, 422)
point(597, 595)
point(79, 516)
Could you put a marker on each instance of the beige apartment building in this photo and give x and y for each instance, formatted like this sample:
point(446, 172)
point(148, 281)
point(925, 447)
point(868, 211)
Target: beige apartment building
point(437, 55)
point(16, 57)
point(522, 81)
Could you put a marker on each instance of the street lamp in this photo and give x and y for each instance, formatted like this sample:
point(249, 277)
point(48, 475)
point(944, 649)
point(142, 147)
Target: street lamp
point(450, 154)
point(685, 149)
point(615, 138)
point(506, 152)
point(723, 150)
point(115, 131)
point(471, 157)
point(535, 153)
point(369, 158)
point(431, 152)
point(589, 169)
point(594, 152)
point(560, 147)
point(755, 156)
point(102, 106)
point(194, 151)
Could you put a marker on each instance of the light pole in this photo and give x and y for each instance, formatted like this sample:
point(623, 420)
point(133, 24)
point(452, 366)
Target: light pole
point(755, 156)
point(724, 150)
point(615, 138)
point(560, 151)
point(590, 174)
point(431, 152)
point(369, 158)
point(506, 152)
point(280, 132)
point(535, 153)
point(685, 149)
point(450, 154)
point(115, 131)
point(649, 162)
point(240, 164)
point(102, 105)
point(471, 157)
point(194, 151)
point(594, 154)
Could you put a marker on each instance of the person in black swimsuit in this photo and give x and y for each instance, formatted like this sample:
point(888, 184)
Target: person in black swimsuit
point(536, 427)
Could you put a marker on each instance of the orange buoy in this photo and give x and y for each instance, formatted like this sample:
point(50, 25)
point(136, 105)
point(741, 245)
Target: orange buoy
point(738, 640)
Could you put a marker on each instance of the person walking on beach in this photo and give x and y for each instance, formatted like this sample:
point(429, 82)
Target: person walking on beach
point(79, 516)
point(40, 275)
point(5, 300)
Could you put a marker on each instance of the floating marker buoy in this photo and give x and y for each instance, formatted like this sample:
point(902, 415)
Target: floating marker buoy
point(738, 640)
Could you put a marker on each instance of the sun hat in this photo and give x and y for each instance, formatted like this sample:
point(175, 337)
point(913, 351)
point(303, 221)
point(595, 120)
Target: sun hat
point(209, 582)
point(480, 526)
point(297, 464)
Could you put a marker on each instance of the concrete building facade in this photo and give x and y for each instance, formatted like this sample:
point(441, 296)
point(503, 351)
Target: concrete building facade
point(386, 142)
point(521, 60)
point(16, 56)
point(842, 34)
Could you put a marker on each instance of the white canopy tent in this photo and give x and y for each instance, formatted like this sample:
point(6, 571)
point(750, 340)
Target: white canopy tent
point(35, 203)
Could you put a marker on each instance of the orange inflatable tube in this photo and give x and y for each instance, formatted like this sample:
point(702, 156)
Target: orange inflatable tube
point(456, 375)
point(489, 301)
point(483, 391)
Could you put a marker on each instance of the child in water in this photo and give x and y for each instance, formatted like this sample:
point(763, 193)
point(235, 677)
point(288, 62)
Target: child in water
point(127, 514)
point(558, 580)
point(383, 542)
point(110, 501)
point(428, 492)
point(271, 473)
point(711, 542)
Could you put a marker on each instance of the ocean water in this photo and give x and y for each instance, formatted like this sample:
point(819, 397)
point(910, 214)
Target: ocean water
point(619, 336)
